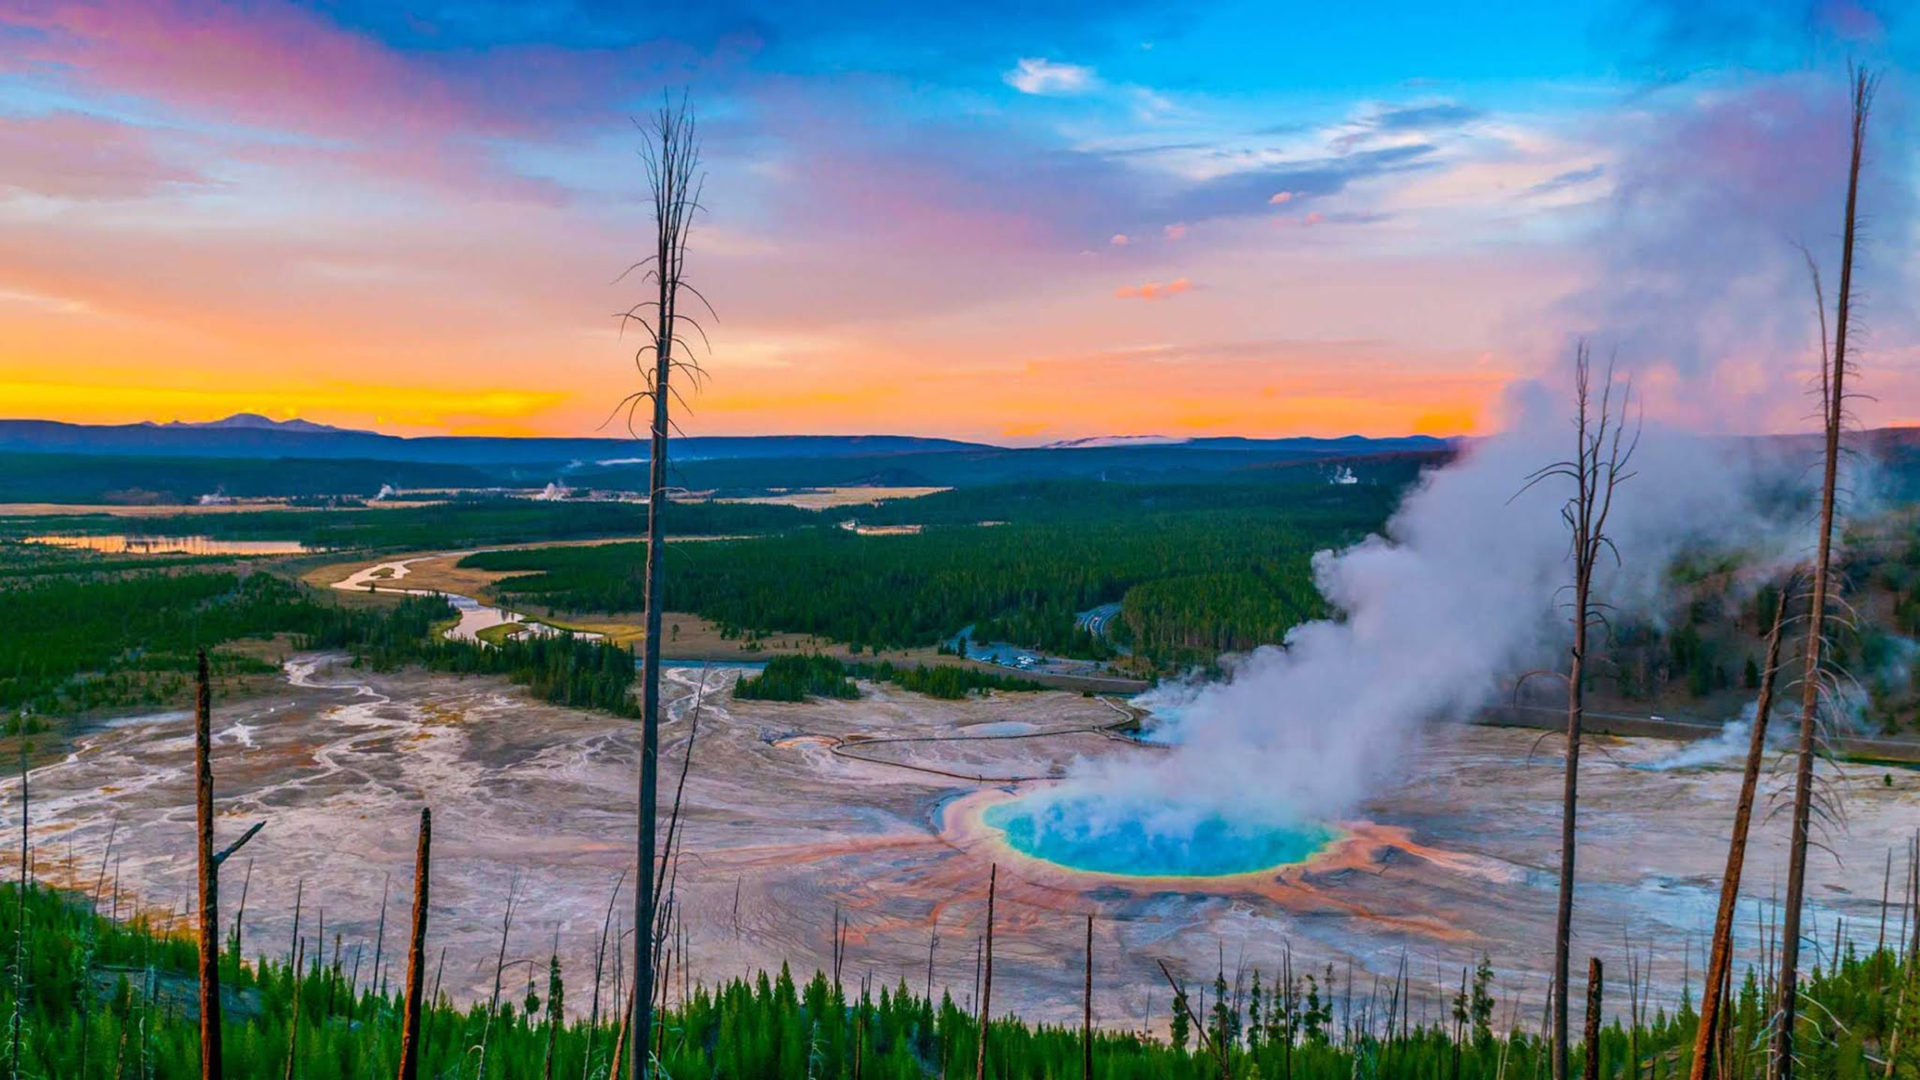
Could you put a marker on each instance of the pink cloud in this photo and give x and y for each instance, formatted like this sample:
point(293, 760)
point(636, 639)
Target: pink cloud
point(1280, 197)
point(906, 204)
point(286, 86)
point(271, 65)
point(1154, 290)
point(1176, 231)
point(443, 168)
point(846, 170)
point(72, 155)
point(1120, 240)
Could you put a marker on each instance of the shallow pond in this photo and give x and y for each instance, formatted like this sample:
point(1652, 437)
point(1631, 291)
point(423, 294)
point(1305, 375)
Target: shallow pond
point(126, 544)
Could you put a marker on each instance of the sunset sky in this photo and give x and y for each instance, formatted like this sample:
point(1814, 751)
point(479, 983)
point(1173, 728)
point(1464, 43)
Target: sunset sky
point(1005, 220)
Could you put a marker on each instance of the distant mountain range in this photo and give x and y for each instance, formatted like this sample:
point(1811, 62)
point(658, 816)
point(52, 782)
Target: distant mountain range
point(1113, 440)
point(252, 455)
point(249, 435)
point(256, 422)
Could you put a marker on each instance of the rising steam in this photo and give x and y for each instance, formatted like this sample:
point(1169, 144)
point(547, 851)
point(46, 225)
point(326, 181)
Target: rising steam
point(1437, 614)
point(1700, 287)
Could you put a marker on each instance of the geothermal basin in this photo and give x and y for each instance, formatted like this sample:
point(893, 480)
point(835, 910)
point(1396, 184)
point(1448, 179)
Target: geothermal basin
point(889, 812)
point(1107, 835)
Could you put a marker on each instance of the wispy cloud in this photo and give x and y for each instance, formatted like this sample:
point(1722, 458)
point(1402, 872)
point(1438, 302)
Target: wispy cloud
point(1569, 179)
point(1154, 290)
point(1426, 117)
point(1037, 75)
point(1249, 191)
point(69, 155)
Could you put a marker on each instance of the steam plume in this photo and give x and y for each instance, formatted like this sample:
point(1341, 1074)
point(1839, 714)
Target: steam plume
point(1459, 593)
point(1700, 287)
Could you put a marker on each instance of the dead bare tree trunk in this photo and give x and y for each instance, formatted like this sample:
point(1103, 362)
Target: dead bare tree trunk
point(499, 967)
point(18, 1020)
point(293, 1017)
point(554, 1006)
point(416, 952)
point(1193, 1020)
point(599, 972)
point(1086, 1019)
point(860, 1030)
point(1720, 950)
point(986, 980)
point(839, 941)
point(333, 970)
point(1635, 971)
point(1602, 452)
point(626, 1030)
point(380, 938)
point(1833, 384)
point(1594, 986)
point(1909, 952)
point(1886, 891)
point(669, 863)
point(672, 159)
point(210, 1068)
point(240, 915)
point(299, 894)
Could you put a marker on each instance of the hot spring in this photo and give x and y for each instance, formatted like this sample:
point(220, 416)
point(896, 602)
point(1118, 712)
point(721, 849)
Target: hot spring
point(1102, 834)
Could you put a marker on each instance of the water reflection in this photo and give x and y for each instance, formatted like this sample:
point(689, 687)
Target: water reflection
point(474, 615)
point(125, 544)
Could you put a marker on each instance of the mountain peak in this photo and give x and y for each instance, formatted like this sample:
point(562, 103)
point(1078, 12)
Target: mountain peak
point(1113, 440)
point(256, 422)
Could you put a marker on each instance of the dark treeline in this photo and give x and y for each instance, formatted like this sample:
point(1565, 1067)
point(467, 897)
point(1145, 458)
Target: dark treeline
point(1708, 642)
point(798, 677)
point(100, 1000)
point(1194, 618)
point(1018, 582)
point(477, 518)
point(1302, 488)
point(87, 641)
point(946, 681)
point(559, 668)
point(984, 466)
point(139, 479)
point(78, 642)
point(458, 523)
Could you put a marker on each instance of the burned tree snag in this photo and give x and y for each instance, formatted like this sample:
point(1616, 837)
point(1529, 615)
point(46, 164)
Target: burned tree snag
point(416, 953)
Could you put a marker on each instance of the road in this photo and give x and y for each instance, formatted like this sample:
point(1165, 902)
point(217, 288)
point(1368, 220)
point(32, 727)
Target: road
point(1096, 620)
